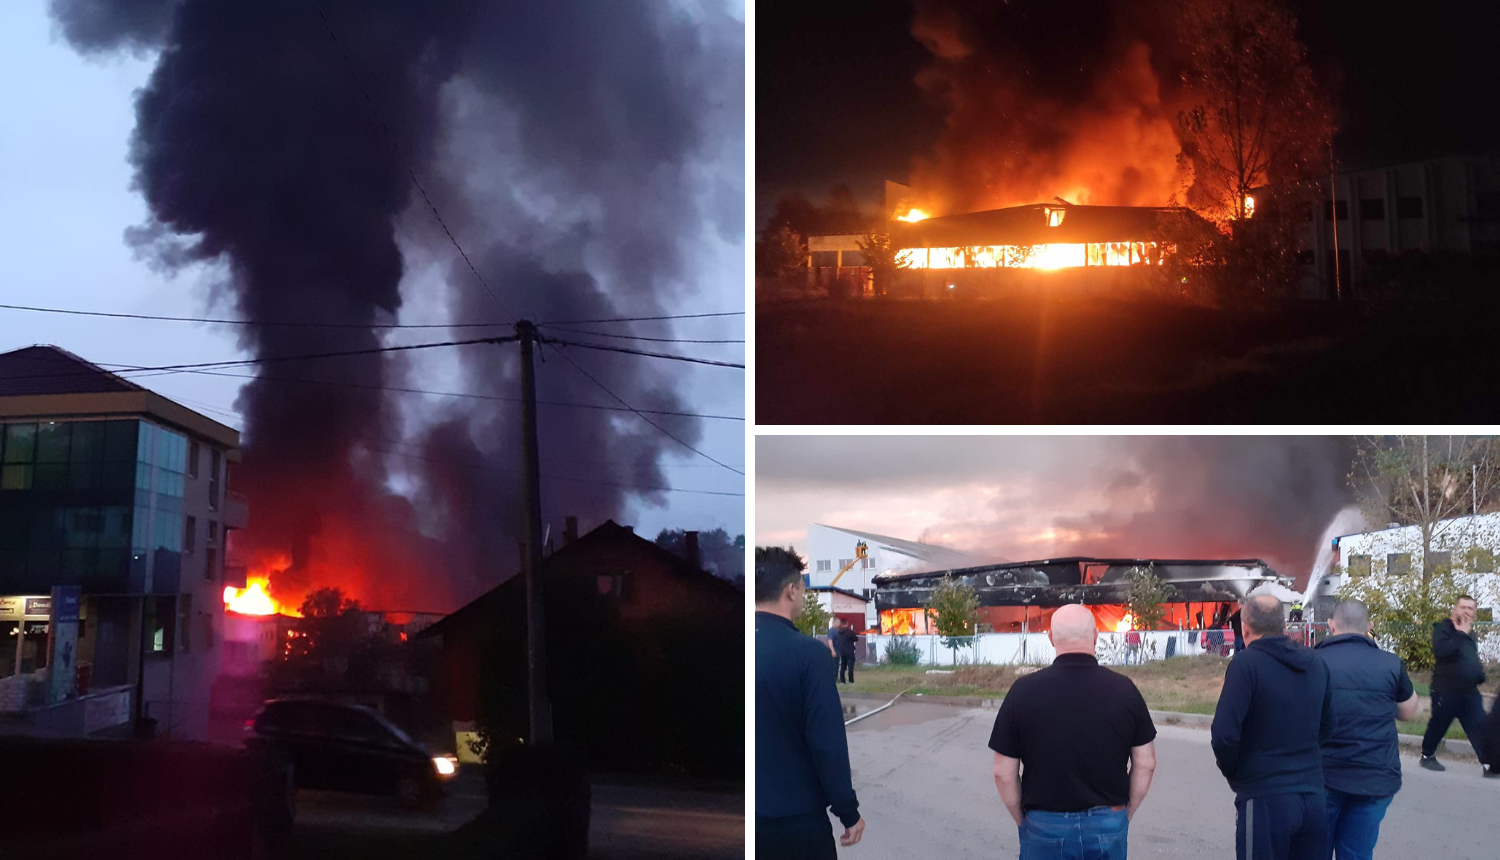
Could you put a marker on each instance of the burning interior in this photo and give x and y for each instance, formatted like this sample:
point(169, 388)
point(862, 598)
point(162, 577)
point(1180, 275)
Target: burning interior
point(1020, 597)
point(1039, 236)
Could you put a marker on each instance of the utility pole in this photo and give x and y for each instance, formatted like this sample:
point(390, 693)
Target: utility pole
point(539, 708)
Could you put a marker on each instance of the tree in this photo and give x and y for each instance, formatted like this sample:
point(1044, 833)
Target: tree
point(1147, 596)
point(1425, 481)
point(780, 251)
point(331, 633)
point(1256, 127)
point(883, 259)
point(718, 553)
point(954, 610)
point(1430, 483)
point(813, 619)
point(1255, 115)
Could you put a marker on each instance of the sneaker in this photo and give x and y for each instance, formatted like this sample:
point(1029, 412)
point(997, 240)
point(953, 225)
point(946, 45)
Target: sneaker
point(1431, 763)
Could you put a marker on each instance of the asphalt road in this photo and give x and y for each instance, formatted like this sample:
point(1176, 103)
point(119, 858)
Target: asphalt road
point(922, 772)
point(629, 819)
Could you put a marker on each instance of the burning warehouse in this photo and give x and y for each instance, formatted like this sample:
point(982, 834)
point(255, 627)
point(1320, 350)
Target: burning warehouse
point(1021, 596)
point(1093, 246)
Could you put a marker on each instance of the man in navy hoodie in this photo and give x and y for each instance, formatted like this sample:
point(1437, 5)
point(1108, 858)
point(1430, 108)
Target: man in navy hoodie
point(801, 751)
point(1273, 714)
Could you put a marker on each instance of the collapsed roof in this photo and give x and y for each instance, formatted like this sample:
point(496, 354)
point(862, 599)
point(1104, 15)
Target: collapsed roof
point(1034, 225)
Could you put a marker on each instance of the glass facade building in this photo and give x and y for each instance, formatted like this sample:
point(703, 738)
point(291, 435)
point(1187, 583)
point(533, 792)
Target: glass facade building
point(93, 503)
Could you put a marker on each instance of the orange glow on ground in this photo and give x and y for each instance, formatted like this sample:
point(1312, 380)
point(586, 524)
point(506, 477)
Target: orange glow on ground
point(913, 215)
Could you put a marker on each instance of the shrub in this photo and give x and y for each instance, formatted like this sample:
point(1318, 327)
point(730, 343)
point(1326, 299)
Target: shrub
point(902, 652)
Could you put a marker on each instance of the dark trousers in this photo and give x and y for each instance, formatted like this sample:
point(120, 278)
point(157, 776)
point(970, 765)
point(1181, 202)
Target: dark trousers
point(806, 845)
point(1281, 827)
point(846, 664)
point(1467, 708)
point(1354, 824)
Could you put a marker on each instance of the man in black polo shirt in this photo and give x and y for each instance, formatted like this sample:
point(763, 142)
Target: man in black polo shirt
point(1062, 740)
point(801, 751)
point(1361, 761)
point(1273, 714)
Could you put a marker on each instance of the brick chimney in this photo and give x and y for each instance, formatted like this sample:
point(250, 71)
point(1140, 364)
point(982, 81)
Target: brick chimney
point(570, 530)
point(692, 550)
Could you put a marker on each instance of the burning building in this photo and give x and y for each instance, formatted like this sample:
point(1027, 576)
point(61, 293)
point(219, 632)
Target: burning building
point(1017, 597)
point(1093, 246)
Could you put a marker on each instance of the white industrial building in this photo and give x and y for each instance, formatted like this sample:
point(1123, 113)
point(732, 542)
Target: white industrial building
point(832, 550)
point(1466, 545)
point(1448, 204)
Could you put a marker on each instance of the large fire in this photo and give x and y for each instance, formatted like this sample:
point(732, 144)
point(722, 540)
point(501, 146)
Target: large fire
point(253, 599)
point(913, 215)
point(1125, 624)
point(1049, 256)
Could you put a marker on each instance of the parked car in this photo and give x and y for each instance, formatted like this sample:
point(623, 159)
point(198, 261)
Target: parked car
point(339, 747)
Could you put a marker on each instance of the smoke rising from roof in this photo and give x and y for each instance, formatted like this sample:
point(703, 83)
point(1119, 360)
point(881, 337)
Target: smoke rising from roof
point(1089, 118)
point(576, 156)
point(1027, 497)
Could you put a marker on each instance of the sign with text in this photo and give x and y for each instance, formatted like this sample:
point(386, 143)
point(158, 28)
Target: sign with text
point(18, 607)
point(64, 642)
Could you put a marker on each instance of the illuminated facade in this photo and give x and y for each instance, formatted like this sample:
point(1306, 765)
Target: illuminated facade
point(1040, 236)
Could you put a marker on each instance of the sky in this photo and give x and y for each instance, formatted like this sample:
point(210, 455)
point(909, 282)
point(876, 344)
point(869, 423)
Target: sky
point(837, 99)
point(1023, 498)
point(67, 201)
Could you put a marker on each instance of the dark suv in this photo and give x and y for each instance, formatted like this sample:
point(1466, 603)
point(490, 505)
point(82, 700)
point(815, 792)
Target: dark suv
point(339, 747)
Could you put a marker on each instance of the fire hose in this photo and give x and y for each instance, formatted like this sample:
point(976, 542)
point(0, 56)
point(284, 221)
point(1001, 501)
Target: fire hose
point(877, 710)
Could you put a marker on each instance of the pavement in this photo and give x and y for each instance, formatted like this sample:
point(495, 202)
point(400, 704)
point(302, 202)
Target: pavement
point(923, 774)
point(630, 819)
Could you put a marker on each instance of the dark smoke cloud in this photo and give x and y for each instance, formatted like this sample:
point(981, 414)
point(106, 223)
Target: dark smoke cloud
point(1036, 497)
point(573, 148)
point(1044, 99)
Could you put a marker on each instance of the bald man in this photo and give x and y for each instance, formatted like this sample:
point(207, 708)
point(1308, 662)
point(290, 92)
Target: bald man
point(1074, 750)
point(1274, 712)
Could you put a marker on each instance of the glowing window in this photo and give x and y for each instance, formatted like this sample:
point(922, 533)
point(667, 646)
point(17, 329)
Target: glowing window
point(1054, 215)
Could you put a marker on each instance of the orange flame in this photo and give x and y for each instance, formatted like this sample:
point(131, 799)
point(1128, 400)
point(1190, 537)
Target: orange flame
point(254, 600)
point(913, 215)
point(1249, 207)
point(1125, 624)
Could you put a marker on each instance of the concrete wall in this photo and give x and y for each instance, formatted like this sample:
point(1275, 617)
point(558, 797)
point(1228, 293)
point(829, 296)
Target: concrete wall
point(1457, 536)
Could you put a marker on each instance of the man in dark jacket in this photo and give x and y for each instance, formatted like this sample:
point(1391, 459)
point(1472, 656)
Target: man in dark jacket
point(1274, 713)
point(1455, 682)
point(1361, 762)
point(801, 751)
point(844, 646)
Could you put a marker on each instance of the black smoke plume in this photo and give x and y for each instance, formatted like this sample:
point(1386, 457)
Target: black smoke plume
point(573, 148)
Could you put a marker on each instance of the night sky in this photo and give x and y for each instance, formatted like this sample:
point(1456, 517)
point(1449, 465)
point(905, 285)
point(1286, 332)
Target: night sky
point(837, 99)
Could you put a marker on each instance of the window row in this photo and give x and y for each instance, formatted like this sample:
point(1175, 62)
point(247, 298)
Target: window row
point(66, 528)
point(68, 442)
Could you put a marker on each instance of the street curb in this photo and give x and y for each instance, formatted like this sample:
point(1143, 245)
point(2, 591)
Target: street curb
point(1460, 751)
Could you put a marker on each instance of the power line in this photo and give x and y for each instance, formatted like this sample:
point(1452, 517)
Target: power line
point(627, 350)
point(174, 368)
point(562, 403)
point(396, 147)
point(638, 413)
point(644, 319)
point(288, 324)
point(638, 337)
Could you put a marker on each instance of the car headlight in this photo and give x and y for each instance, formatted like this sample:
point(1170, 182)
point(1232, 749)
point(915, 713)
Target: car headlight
point(445, 765)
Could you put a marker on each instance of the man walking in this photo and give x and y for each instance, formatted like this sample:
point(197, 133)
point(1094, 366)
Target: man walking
point(1063, 739)
point(1273, 714)
point(1455, 682)
point(1361, 762)
point(801, 751)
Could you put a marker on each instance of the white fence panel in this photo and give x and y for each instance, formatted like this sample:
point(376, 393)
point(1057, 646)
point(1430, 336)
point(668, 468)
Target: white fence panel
point(1017, 649)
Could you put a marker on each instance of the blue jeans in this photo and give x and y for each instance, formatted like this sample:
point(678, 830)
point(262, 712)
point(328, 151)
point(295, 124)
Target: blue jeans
point(1097, 834)
point(1354, 824)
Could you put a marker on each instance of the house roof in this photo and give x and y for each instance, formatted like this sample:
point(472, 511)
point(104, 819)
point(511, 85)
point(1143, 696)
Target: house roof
point(46, 369)
point(1080, 560)
point(1028, 225)
point(915, 549)
point(844, 591)
point(606, 532)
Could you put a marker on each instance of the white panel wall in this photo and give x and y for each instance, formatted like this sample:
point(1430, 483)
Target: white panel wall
point(1018, 649)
